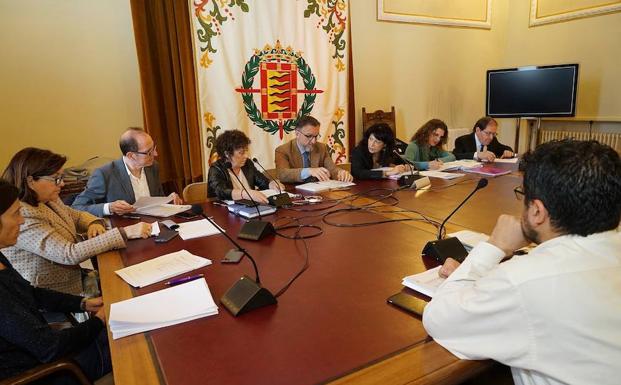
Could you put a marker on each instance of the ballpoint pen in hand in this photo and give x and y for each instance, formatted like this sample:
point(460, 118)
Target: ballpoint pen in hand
point(179, 281)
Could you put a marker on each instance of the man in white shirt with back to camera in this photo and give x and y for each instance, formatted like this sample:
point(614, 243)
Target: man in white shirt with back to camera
point(553, 315)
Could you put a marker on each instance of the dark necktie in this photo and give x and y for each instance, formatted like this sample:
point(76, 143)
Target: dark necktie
point(481, 149)
point(306, 159)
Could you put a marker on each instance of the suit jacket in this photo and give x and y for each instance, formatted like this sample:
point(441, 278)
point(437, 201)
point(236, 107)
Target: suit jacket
point(289, 163)
point(48, 248)
point(362, 163)
point(466, 146)
point(110, 183)
point(220, 184)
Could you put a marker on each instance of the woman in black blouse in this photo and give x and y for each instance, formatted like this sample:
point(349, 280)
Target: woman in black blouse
point(232, 148)
point(375, 150)
point(26, 340)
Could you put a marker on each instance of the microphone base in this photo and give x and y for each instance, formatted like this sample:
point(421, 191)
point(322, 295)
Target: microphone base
point(415, 181)
point(280, 200)
point(246, 295)
point(442, 249)
point(256, 230)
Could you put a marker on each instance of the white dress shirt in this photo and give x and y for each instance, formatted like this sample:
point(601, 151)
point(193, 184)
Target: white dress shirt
point(140, 185)
point(553, 315)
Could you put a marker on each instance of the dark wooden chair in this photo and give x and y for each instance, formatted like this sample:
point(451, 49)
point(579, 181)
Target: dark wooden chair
point(46, 370)
point(379, 116)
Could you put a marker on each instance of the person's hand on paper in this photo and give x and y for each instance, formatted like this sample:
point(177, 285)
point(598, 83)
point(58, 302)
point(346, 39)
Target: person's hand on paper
point(93, 305)
point(257, 196)
point(486, 156)
point(508, 235)
point(396, 170)
point(176, 199)
point(95, 229)
point(121, 207)
point(435, 164)
point(320, 173)
point(450, 265)
point(138, 230)
point(344, 176)
point(101, 314)
point(507, 154)
point(276, 185)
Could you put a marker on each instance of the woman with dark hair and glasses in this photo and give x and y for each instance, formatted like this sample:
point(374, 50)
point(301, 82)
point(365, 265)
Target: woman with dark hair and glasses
point(233, 164)
point(426, 148)
point(50, 248)
point(375, 150)
point(26, 340)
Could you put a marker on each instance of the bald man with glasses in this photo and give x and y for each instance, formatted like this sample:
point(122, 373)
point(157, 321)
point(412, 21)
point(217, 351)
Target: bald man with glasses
point(304, 159)
point(113, 188)
point(482, 144)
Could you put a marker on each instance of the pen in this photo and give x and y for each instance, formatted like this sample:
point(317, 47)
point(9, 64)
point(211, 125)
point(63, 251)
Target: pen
point(130, 216)
point(179, 281)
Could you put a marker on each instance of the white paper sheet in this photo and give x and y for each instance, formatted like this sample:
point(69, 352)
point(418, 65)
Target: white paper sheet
point(441, 174)
point(426, 282)
point(196, 229)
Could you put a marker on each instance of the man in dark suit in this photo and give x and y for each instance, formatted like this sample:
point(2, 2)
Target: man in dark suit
point(482, 143)
point(113, 188)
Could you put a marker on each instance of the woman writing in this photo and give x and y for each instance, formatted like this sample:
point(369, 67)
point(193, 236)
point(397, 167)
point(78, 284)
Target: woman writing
point(426, 146)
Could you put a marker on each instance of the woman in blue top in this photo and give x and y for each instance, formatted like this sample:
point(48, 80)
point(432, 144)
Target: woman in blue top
point(426, 146)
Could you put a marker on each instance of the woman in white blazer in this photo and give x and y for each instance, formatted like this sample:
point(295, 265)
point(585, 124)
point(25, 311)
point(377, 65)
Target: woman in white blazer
point(50, 246)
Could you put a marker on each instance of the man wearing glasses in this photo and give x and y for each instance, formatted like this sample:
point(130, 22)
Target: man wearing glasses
point(482, 144)
point(113, 188)
point(554, 314)
point(305, 159)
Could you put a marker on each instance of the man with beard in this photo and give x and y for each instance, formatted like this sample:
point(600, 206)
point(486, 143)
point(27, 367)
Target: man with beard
point(553, 315)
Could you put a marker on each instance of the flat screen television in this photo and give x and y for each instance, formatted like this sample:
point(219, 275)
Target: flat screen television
point(537, 91)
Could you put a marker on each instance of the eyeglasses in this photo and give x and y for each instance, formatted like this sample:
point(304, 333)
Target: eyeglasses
point(489, 133)
point(310, 137)
point(58, 180)
point(519, 193)
point(147, 153)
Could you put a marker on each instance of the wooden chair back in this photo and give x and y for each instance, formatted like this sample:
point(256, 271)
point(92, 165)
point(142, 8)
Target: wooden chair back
point(379, 116)
point(195, 193)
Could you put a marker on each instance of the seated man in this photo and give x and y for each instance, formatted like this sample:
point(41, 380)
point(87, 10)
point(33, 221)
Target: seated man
point(303, 157)
point(482, 143)
point(113, 188)
point(553, 315)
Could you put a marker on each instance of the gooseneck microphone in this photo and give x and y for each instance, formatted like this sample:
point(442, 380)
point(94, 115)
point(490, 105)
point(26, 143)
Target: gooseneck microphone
point(280, 199)
point(414, 180)
point(440, 249)
point(246, 294)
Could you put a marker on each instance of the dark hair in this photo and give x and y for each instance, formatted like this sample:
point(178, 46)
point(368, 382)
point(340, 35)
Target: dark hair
point(229, 141)
point(382, 132)
point(421, 137)
point(305, 121)
point(579, 183)
point(128, 142)
point(33, 162)
point(8, 195)
point(483, 122)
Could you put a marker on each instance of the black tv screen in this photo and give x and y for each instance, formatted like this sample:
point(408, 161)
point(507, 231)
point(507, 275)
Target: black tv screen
point(532, 91)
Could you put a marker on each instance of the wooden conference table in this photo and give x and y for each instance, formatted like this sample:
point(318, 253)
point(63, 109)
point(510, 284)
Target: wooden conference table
point(333, 323)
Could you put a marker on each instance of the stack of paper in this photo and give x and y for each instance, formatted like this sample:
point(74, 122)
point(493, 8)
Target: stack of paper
point(161, 268)
point(441, 174)
point(462, 164)
point(163, 308)
point(197, 229)
point(326, 185)
point(250, 212)
point(425, 283)
point(158, 206)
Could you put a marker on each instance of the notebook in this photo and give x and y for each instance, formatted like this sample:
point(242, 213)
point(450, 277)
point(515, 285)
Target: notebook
point(163, 308)
point(426, 283)
point(250, 212)
point(327, 185)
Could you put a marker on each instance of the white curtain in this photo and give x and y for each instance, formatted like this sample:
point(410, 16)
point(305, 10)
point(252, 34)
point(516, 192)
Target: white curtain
point(261, 64)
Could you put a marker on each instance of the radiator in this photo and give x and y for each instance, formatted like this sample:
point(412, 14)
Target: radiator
point(612, 139)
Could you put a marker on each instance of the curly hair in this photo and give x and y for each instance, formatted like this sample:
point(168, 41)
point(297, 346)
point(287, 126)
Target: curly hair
point(229, 141)
point(383, 133)
point(421, 137)
point(35, 163)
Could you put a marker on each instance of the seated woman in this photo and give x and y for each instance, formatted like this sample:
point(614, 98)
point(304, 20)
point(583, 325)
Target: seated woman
point(232, 148)
point(26, 340)
point(426, 146)
point(375, 150)
point(49, 247)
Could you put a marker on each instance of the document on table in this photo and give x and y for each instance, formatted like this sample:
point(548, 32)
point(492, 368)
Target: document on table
point(161, 268)
point(166, 307)
point(159, 206)
point(326, 185)
point(152, 201)
point(269, 192)
point(507, 160)
point(426, 282)
point(469, 238)
point(459, 165)
point(441, 174)
point(197, 229)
